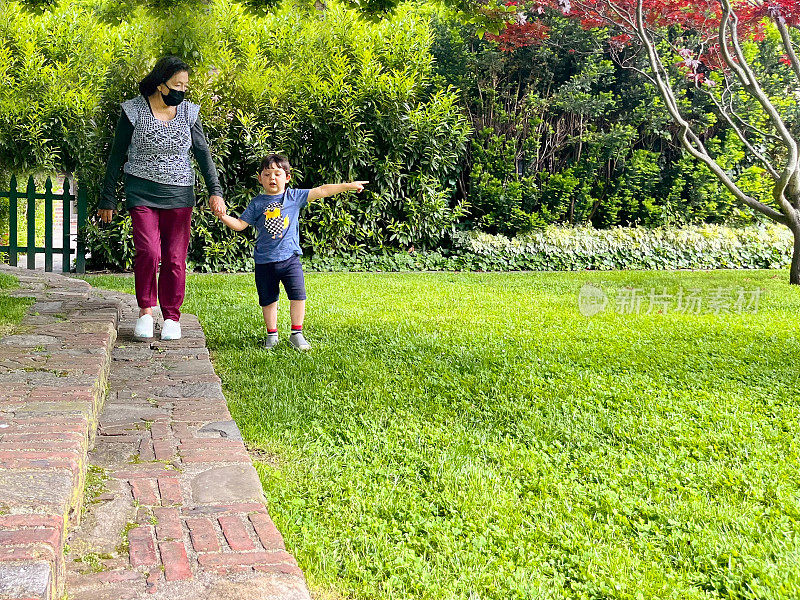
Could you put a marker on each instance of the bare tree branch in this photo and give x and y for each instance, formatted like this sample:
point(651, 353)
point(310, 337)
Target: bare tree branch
point(787, 43)
point(790, 178)
point(688, 137)
point(724, 113)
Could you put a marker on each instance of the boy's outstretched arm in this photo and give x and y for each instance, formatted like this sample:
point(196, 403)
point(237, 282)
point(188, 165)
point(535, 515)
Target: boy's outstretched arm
point(331, 189)
point(233, 222)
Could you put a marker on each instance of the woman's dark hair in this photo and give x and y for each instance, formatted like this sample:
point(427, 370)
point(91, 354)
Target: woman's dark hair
point(164, 69)
point(279, 160)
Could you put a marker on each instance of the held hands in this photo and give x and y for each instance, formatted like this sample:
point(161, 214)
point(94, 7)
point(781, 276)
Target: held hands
point(217, 205)
point(216, 202)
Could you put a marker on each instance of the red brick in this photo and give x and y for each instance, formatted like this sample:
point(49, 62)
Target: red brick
point(14, 521)
point(49, 536)
point(40, 444)
point(160, 431)
point(181, 430)
point(176, 563)
point(8, 554)
point(141, 471)
point(68, 393)
point(29, 452)
point(120, 429)
point(200, 415)
point(169, 524)
point(143, 492)
point(142, 547)
point(235, 532)
point(233, 559)
point(50, 436)
point(146, 449)
point(204, 535)
point(152, 582)
point(170, 491)
point(40, 463)
point(269, 535)
point(22, 456)
point(164, 449)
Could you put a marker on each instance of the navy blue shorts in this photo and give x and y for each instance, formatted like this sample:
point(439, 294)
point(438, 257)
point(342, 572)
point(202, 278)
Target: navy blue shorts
point(269, 275)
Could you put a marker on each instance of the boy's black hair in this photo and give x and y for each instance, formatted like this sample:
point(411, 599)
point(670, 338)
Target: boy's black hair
point(279, 160)
point(165, 68)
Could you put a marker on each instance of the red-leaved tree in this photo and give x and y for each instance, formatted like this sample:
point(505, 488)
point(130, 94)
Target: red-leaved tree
point(741, 54)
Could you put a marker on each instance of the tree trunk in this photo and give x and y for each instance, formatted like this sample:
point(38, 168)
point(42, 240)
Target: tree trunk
point(794, 271)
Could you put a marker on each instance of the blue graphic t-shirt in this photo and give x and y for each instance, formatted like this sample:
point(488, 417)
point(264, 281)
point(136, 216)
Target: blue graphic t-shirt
point(276, 221)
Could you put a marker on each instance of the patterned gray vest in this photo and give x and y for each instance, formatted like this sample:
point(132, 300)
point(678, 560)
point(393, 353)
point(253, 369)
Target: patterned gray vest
point(159, 150)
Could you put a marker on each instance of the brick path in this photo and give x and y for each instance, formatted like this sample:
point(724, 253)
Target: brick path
point(175, 508)
point(52, 385)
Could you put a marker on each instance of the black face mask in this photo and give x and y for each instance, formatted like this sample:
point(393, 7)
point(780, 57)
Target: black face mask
point(174, 97)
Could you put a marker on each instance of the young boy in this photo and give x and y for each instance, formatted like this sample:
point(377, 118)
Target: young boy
point(275, 215)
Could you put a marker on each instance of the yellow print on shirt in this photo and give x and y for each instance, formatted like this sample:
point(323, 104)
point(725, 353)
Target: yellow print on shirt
point(272, 220)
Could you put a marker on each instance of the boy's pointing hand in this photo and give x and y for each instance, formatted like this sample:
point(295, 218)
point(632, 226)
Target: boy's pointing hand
point(358, 186)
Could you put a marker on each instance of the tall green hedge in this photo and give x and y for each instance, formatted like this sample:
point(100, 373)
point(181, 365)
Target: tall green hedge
point(343, 97)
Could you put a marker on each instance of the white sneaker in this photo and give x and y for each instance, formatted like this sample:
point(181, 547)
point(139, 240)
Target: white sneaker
point(297, 340)
point(144, 327)
point(170, 330)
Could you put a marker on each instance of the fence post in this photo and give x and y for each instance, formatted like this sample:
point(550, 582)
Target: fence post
point(80, 258)
point(12, 222)
point(48, 225)
point(31, 223)
point(65, 235)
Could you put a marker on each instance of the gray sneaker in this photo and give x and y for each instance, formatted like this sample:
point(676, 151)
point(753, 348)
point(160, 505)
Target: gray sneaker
point(299, 342)
point(272, 340)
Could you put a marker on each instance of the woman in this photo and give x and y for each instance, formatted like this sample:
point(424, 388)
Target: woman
point(157, 130)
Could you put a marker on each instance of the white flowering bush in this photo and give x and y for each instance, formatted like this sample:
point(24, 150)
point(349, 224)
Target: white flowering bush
point(697, 247)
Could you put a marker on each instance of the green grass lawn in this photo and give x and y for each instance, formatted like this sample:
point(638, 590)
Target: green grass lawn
point(11, 309)
point(473, 436)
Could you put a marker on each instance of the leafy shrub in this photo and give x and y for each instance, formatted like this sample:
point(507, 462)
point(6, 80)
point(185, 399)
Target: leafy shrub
point(695, 247)
point(558, 248)
point(574, 137)
point(344, 98)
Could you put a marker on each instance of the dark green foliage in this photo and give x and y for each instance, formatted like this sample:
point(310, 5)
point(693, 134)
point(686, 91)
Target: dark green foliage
point(498, 195)
point(563, 134)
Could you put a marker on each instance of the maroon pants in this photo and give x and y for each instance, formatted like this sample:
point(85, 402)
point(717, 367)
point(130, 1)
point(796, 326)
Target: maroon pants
point(161, 234)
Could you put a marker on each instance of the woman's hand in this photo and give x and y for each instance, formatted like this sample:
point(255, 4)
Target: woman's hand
point(217, 205)
point(105, 214)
